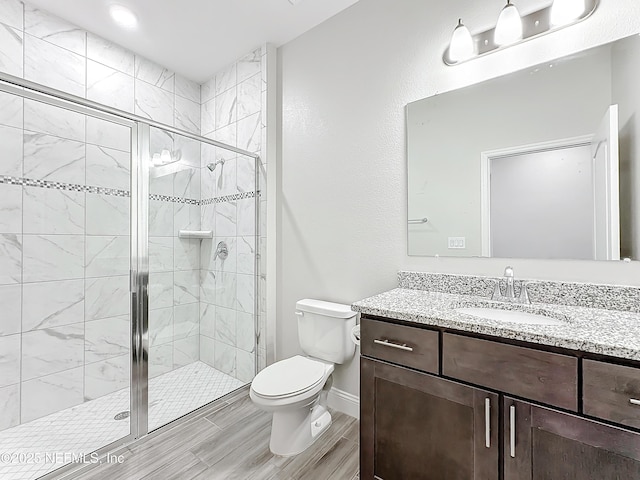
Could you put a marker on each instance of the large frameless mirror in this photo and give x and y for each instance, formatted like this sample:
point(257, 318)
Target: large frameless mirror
point(540, 163)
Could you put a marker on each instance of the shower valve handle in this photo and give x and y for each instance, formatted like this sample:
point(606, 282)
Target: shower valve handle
point(222, 251)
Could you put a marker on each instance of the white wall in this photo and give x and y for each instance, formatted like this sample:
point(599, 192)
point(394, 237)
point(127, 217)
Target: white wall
point(343, 200)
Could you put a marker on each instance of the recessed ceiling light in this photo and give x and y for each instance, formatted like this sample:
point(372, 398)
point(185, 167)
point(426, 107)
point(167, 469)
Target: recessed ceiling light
point(123, 16)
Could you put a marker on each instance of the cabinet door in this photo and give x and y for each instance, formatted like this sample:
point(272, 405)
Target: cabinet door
point(414, 426)
point(544, 444)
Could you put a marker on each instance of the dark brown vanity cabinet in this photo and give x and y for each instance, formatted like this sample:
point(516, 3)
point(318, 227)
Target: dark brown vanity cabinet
point(440, 405)
point(544, 444)
point(416, 426)
point(529, 373)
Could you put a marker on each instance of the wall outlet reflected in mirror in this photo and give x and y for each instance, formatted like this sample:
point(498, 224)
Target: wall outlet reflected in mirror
point(456, 242)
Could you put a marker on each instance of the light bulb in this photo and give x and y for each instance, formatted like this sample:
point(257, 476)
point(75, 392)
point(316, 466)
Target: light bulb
point(566, 11)
point(509, 27)
point(165, 157)
point(461, 46)
point(123, 16)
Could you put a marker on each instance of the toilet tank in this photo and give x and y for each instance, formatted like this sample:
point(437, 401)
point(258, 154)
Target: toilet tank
point(324, 329)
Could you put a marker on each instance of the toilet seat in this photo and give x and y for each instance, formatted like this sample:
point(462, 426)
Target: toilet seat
point(290, 377)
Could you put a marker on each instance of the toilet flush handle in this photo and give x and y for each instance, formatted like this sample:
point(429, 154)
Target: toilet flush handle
point(300, 314)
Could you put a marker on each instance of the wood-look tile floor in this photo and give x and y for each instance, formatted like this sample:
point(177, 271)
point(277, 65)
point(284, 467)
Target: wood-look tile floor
point(229, 440)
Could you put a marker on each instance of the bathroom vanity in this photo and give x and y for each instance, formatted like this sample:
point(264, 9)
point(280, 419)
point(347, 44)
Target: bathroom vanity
point(448, 396)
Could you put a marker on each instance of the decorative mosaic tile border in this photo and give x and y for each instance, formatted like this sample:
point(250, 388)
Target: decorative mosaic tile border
point(608, 297)
point(167, 198)
point(72, 187)
point(230, 198)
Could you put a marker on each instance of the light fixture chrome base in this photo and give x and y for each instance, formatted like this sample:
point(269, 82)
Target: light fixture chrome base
point(534, 25)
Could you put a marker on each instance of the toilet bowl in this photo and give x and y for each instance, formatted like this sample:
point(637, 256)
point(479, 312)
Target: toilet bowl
point(292, 390)
point(295, 389)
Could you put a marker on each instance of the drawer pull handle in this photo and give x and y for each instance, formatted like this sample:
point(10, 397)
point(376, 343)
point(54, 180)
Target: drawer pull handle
point(633, 401)
point(487, 422)
point(512, 430)
point(387, 343)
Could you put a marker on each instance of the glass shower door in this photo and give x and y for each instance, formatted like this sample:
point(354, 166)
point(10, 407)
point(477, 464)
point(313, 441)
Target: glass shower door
point(65, 249)
point(202, 254)
point(128, 277)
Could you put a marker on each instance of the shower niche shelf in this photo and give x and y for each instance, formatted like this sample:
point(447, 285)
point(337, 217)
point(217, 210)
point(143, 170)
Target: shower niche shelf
point(196, 234)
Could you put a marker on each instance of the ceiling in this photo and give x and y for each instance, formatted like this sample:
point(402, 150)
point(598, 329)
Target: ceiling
point(198, 38)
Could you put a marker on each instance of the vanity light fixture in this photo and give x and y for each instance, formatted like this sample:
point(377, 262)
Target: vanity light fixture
point(461, 47)
point(509, 27)
point(165, 157)
point(512, 29)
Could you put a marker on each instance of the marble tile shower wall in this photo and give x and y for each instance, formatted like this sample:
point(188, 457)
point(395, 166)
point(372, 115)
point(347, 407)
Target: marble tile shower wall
point(45, 49)
point(64, 219)
point(174, 263)
point(233, 106)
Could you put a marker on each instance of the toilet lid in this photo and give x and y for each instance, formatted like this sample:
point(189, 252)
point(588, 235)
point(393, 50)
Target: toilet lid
point(288, 377)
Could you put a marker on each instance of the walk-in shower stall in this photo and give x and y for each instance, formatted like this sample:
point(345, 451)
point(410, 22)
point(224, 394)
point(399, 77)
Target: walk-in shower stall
point(128, 267)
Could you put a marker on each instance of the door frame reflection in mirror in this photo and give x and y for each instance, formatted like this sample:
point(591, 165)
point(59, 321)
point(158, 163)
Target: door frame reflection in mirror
point(510, 152)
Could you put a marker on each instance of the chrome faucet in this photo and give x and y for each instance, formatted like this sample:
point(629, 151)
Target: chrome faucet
point(510, 293)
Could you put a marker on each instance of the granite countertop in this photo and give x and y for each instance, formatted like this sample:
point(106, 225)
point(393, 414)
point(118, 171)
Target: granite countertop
point(606, 332)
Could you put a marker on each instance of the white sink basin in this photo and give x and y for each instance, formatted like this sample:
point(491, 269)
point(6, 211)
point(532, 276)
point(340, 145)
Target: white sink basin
point(510, 316)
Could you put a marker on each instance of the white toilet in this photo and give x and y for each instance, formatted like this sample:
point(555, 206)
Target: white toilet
point(295, 389)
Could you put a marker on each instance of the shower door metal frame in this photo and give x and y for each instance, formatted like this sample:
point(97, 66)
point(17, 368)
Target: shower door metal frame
point(48, 99)
point(140, 281)
point(139, 232)
point(59, 95)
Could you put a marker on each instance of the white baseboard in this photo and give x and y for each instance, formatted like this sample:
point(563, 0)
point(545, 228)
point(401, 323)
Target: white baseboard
point(344, 402)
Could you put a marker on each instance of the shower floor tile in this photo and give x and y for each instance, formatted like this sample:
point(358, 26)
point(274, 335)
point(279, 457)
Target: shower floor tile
point(179, 392)
point(33, 449)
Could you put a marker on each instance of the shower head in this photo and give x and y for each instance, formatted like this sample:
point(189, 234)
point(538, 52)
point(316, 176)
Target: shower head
point(212, 166)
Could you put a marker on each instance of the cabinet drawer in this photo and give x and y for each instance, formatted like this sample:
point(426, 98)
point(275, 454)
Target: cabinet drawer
point(611, 392)
point(410, 346)
point(541, 376)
